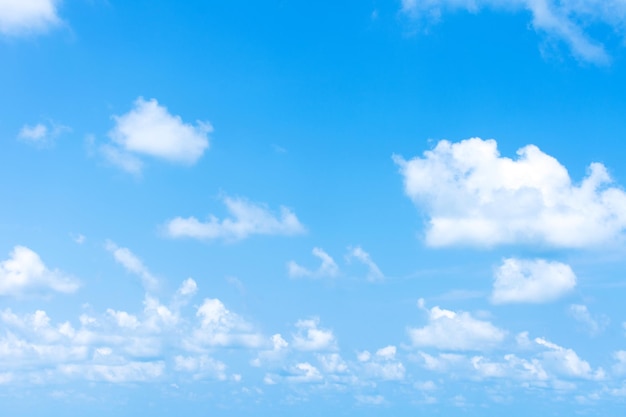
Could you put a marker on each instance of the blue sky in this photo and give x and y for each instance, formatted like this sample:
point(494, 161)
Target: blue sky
point(288, 208)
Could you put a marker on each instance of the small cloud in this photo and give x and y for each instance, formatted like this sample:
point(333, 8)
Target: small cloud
point(19, 18)
point(374, 273)
point(148, 129)
point(246, 219)
point(42, 135)
point(24, 272)
point(78, 238)
point(132, 264)
point(581, 314)
point(328, 267)
point(311, 338)
point(452, 330)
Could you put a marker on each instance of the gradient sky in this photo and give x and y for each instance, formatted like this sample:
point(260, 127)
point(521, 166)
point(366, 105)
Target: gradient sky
point(296, 208)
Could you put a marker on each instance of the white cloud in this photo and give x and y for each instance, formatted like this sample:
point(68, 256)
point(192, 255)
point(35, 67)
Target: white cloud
point(149, 129)
point(328, 267)
point(25, 272)
point(562, 20)
point(473, 196)
point(383, 365)
point(593, 325)
point(247, 219)
point(42, 135)
point(277, 352)
point(304, 372)
point(20, 17)
point(132, 264)
point(374, 273)
point(332, 363)
point(531, 281)
point(201, 366)
point(311, 338)
point(221, 327)
point(449, 330)
point(566, 362)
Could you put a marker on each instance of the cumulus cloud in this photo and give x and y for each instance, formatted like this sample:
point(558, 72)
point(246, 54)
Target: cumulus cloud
point(374, 273)
point(383, 364)
point(149, 129)
point(221, 327)
point(311, 338)
point(581, 314)
point(562, 20)
point(473, 196)
point(19, 17)
point(449, 330)
point(132, 264)
point(41, 135)
point(119, 346)
point(24, 272)
point(246, 219)
point(328, 267)
point(531, 281)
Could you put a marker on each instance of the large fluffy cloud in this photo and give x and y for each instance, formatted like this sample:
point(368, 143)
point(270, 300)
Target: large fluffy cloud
point(247, 219)
point(24, 272)
point(473, 196)
point(531, 281)
point(450, 330)
point(149, 129)
point(19, 17)
point(562, 20)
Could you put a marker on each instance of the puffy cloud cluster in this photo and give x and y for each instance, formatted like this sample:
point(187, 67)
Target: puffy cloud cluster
point(247, 219)
point(562, 20)
point(473, 196)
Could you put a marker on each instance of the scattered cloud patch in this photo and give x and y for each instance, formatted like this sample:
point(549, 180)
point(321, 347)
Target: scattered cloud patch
point(473, 196)
point(559, 20)
point(311, 338)
point(581, 314)
point(24, 272)
point(374, 273)
point(328, 267)
point(246, 219)
point(383, 364)
point(566, 362)
point(531, 281)
point(149, 129)
point(19, 17)
point(42, 135)
point(132, 264)
point(449, 330)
